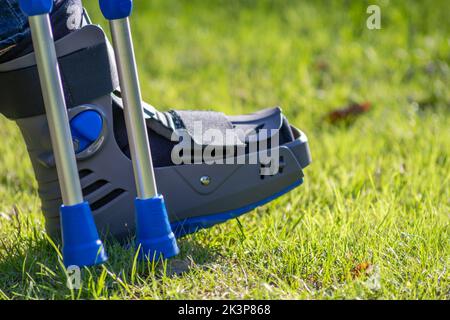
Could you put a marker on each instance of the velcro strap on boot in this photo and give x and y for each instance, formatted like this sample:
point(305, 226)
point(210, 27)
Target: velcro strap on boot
point(198, 123)
point(86, 75)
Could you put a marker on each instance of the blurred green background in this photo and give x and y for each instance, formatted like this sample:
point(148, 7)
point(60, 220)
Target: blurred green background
point(372, 218)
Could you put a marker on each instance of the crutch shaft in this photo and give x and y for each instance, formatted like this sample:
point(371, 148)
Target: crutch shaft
point(135, 123)
point(54, 101)
point(81, 243)
point(154, 236)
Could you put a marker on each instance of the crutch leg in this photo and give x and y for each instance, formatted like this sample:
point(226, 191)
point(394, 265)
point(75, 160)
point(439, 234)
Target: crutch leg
point(153, 232)
point(81, 243)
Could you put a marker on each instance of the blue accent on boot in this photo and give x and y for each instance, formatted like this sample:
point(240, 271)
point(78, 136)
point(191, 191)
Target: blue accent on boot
point(86, 128)
point(116, 9)
point(153, 233)
point(81, 244)
point(191, 225)
point(36, 7)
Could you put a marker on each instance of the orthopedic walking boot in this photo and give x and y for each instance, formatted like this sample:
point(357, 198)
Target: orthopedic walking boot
point(210, 167)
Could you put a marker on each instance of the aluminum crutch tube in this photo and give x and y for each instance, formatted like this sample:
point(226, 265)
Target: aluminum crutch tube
point(154, 236)
point(81, 243)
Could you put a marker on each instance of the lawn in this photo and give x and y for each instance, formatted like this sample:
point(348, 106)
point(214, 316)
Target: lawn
point(372, 218)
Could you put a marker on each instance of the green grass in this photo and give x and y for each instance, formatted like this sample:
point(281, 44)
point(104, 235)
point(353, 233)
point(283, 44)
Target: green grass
point(376, 197)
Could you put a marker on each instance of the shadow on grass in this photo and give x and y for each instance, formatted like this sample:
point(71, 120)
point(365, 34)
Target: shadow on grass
point(30, 267)
point(193, 255)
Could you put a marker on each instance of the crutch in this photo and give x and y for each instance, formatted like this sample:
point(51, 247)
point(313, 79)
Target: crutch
point(81, 243)
point(154, 235)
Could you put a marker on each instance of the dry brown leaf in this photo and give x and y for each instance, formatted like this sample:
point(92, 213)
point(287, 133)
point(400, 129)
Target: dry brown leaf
point(362, 268)
point(348, 112)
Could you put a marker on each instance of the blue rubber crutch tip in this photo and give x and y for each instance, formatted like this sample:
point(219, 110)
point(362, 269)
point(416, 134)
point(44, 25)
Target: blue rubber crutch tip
point(116, 9)
point(36, 7)
point(82, 246)
point(154, 236)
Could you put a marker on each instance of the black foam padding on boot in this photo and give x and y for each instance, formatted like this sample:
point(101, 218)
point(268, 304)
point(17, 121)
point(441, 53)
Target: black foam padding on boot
point(161, 148)
point(86, 75)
